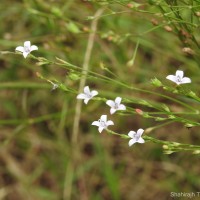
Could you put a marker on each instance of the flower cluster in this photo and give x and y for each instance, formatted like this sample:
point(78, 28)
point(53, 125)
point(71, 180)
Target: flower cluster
point(115, 105)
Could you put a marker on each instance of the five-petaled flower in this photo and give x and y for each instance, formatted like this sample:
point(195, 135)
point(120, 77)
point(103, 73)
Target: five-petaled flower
point(102, 123)
point(178, 78)
point(27, 48)
point(87, 95)
point(136, 137)
point(115, 105)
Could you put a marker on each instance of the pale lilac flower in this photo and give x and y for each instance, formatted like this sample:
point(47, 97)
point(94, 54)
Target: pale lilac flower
point(115, 105)
point(27, 48)
point(136, 137)
point(87, 95)
point(178, 78)
point(102, 123)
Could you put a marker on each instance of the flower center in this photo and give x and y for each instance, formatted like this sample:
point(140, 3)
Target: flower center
point(136, 136)
point(178, 79)
point(116, 106)
point(89, 96)
point(102, 123)
point(26, 49)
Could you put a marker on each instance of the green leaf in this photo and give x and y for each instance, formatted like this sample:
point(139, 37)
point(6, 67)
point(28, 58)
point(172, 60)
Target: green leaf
point(165, 108)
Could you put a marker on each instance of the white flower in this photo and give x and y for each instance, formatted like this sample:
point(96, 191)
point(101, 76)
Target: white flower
point(136, 137)
point(55, 86)
point(87, 95)
point(115, 105)
point(178, 78)
point(27, 48)
point(102, 123)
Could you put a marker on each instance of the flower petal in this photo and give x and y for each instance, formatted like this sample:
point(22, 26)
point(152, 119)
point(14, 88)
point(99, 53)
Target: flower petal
point(112, 111)
point(25, 54)
point(141, 140)
point(131, 142)
point(27, 44)
point(86, 100)
point(140, 132)
point(94, 93)
point(100, 129)
point(131, 134)
point(109, 122)
point(34, 47)
point(186, 80)
point(96, 123)
point(81, 96)
point(179, 73)
point(20, 48)
point(110, 103)
point(172, 78)
point(86, 90)
point(104, 118)
point(118, 100)
point(122, 107)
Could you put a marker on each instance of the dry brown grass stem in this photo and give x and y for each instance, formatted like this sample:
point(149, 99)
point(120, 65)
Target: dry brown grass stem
point(75, 130)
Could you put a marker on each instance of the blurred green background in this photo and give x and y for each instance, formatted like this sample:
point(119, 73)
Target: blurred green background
point(37, 159)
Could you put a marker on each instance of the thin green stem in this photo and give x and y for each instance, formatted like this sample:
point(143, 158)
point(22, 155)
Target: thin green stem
point(168, 146)
point(67, 65)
